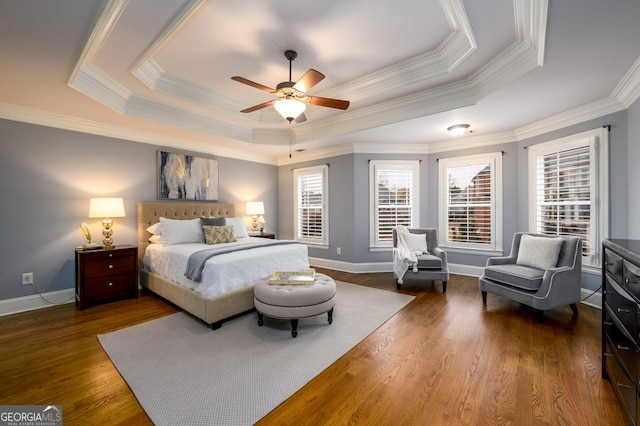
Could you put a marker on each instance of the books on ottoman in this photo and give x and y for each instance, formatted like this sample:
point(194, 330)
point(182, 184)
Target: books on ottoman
point(304, 277)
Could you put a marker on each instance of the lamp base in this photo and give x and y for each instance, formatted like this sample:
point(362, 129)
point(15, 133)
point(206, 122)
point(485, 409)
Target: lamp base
point(107, 242)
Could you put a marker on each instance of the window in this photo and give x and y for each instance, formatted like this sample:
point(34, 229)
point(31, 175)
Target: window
point(470, 194)
point(311, 205)
point(394, 198)
point(566, 190)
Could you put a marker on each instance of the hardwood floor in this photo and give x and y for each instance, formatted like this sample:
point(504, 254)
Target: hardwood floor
point(445, 359)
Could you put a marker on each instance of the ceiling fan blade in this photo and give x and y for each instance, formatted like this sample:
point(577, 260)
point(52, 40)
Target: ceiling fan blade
point(301, 118)
point(252, 84)
point(328, 102)
point(308, 80)
point(259, 106)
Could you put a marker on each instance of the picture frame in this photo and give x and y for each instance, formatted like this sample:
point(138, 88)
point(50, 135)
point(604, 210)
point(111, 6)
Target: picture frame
point(187, 177)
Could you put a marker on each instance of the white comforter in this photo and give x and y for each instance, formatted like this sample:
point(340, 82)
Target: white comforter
point(229, 271)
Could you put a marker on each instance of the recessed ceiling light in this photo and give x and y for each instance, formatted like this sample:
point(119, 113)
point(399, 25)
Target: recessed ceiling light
point(458, 129)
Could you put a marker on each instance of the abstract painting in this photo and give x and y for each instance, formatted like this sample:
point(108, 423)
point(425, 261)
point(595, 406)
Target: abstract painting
point(186, 177)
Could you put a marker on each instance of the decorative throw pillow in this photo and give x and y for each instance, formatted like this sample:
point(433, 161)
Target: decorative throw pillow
point(181, 231)
point(416, 243)
point(539, 252)
point(218, 234)
point(239, 230)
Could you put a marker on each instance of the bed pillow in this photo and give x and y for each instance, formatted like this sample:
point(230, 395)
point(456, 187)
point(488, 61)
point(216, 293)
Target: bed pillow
point(416, 243)
point(156, 239)
point(239, 231)
point(155, 229)
point(212, 221)
point(539, 252)
point(218, 234)
point(181, 231)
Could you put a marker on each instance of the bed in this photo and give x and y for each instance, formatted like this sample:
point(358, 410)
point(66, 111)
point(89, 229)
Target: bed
point(228, 303)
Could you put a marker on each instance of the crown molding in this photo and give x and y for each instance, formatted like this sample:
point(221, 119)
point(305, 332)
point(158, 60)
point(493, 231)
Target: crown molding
point(568, 118)
point(44, 118)
point(91, 81)
point(102, 29)
point(415, 105)
point(628, 89)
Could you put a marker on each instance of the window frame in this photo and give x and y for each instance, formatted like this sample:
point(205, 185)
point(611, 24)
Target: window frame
point(598, 142)
point(323, 171)
point(375, 243)
point(494, 248)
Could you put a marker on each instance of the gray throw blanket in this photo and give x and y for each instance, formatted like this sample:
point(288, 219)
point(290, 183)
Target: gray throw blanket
point(196, 262)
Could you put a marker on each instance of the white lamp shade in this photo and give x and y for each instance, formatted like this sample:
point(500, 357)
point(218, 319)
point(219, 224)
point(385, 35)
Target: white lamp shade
point(106, 207)
point(290, 108)
point(255, 208)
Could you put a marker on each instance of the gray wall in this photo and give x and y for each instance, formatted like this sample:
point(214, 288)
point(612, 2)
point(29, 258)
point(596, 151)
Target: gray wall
point(349, 183)
point(48, 176)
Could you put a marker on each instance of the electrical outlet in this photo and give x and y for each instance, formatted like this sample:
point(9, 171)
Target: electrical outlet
point(27, 278)
point(339, 250)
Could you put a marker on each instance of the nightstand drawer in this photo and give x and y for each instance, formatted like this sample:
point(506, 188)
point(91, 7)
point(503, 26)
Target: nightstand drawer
point(110, 266)
point(104, 275)
point(105, 287)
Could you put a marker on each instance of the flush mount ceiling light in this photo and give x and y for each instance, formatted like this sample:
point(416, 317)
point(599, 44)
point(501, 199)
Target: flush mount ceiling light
point(458, 129)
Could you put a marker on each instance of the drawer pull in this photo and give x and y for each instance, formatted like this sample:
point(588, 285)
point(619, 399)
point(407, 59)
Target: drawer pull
point(111, 284)
point(609, 264)
point(623, 311)
point(110, 254)
point(628, 281)
point(624, 348)
point(620, 385)
point(608, 354)
point(607, 323)
point(111, 267)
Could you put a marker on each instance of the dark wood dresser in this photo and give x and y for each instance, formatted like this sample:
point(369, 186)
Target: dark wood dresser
point(106, 275)
point(620, 323)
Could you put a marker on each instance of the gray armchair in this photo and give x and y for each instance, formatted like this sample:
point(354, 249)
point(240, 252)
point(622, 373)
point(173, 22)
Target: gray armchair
point(432, 266)
point(541, 289)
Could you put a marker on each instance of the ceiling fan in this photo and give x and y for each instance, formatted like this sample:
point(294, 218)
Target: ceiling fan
point(292, 96)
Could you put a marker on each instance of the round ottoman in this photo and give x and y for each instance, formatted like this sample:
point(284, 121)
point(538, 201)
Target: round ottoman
point(294, 301)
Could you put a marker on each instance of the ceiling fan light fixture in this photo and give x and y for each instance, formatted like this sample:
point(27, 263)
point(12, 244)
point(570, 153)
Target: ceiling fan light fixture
point(290, 109)
point(458, 129)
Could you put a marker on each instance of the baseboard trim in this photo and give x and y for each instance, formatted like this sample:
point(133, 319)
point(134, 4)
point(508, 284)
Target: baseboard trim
point(30, 303)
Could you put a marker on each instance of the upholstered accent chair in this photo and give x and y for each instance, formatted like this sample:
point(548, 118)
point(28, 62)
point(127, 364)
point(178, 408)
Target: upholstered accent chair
point(432, 266)
point(542, 272)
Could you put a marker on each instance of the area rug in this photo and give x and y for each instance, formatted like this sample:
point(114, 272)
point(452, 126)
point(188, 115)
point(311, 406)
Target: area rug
point(184, 373)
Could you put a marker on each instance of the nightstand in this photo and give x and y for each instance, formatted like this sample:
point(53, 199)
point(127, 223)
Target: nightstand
point(106, 275)
point(262, 235)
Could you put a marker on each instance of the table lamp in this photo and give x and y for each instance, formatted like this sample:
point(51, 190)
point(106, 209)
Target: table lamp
point(106, 208)
point(255, 209)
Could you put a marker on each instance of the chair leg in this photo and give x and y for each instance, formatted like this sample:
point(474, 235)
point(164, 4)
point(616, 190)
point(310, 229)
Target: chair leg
point(484, 297)
point(539, 315)
point(398, 284)
point(444, 286)
point(574, 308)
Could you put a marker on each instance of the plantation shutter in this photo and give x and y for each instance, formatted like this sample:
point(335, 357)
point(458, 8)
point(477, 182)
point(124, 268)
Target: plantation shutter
point(395, 194)
point(311, 205)
point(564, 186)
point(470, 203)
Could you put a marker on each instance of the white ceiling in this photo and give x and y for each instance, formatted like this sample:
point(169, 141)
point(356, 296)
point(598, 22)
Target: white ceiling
point(159, 71)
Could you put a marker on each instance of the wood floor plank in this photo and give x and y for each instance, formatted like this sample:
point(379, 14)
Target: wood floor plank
point(445, 359)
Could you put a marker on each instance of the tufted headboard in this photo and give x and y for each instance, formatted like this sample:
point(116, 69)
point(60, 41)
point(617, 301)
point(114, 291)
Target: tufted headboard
point(149, 212)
